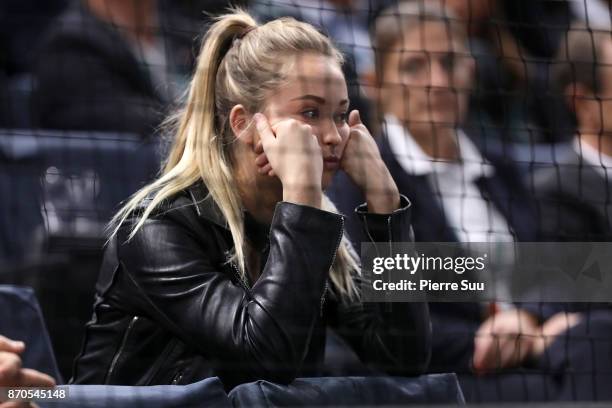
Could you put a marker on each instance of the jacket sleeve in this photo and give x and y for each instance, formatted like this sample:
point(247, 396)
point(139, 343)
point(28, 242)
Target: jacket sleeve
point(257, 333)
point(392, 337)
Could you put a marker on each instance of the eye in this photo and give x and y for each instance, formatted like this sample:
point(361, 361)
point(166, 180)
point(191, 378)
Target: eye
point(342, 117)
point(413, 65)
point(310, 114)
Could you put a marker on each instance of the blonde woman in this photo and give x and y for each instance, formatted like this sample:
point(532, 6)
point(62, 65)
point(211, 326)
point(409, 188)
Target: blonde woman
point(233, 262)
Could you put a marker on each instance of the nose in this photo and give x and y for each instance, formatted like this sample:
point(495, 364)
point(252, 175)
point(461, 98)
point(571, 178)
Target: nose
point(439, 75)
point(330, 135)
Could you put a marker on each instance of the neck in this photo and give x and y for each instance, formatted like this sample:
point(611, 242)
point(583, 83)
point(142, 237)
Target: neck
point(260, 206)
point(438, 142)
point(136, 18)
point(602, 142)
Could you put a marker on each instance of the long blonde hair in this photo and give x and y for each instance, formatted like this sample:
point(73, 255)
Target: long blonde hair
point(239, 62)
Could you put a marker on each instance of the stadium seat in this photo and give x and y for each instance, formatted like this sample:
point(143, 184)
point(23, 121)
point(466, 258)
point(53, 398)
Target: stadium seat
point(59, 191)
point(324, 391)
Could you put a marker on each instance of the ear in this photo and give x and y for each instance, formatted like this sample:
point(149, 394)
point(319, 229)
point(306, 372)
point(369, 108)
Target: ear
point(578, 97)
point(240, 123)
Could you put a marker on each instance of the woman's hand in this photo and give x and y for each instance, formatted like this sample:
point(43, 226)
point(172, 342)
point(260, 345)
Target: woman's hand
point(290, 151)
point(362, 162)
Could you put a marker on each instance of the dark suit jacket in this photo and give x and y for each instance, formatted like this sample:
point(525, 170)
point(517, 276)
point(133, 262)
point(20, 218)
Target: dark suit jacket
point(574, 202)
point(89, 78)
point(574, 205)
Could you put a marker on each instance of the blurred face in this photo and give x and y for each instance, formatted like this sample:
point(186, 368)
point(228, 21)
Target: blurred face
point(594, 112)
point(427, 76)
point(314, 93)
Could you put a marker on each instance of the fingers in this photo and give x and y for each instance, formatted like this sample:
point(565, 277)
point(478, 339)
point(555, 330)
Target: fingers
point(33, 378)
point(510, 350)
point(12, 374)
point(11, 346)
point(16, 404)
point(267, 136)
point(354, 118)
point(261, 160)
point(560, 323)
point(263, 128)
point(265, 169)
point(259, 148)
point(484, 351)
point(10, 367)
point(497, 351)
point(552, 328)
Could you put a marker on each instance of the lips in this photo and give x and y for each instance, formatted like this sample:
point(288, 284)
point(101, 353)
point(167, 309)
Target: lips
point(331, 162)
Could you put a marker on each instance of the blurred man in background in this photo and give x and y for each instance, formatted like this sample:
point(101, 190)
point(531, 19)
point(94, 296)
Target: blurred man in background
point(575, 202)
point(111, 65)
point(575, 194)
point(425, 74)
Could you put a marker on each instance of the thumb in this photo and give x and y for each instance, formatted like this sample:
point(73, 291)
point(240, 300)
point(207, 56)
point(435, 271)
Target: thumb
point(354, 118)
point(263, 128)
point(11, 346)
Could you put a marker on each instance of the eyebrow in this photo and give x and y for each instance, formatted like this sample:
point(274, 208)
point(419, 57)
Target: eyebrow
point(318, 99)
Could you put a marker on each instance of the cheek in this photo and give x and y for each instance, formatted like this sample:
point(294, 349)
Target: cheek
point(344, 131)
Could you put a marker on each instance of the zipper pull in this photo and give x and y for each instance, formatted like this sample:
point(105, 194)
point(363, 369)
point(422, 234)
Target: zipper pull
point(323, 296)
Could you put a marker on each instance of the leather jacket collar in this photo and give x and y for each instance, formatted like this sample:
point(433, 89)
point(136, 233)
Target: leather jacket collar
point(258, 233)
point(205, 205)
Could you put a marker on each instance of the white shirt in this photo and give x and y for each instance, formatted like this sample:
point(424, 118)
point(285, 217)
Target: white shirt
point(469, 214)
point(595, 13)
point(601, 162)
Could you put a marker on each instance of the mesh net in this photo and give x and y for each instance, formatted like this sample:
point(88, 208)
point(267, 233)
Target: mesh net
point(488, 117)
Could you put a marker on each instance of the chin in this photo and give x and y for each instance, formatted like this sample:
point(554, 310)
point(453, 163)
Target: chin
point(326, 180)
point(444, 118)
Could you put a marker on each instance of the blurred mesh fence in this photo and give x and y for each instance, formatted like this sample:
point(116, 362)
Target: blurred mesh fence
point(491, 117)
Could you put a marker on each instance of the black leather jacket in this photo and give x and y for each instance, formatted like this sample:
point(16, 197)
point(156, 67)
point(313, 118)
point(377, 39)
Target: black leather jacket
point(170, 309)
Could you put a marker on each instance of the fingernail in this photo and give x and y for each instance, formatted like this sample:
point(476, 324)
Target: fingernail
point(18, 344)
point(257, 117)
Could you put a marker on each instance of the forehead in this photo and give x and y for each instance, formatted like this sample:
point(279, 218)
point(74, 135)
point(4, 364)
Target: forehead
point(432, 36)
point(314, 74)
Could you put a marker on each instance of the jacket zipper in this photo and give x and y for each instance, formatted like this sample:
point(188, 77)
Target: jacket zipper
point(177, 377)
point(338, 241)
point(242, 281)
point(121, 347)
